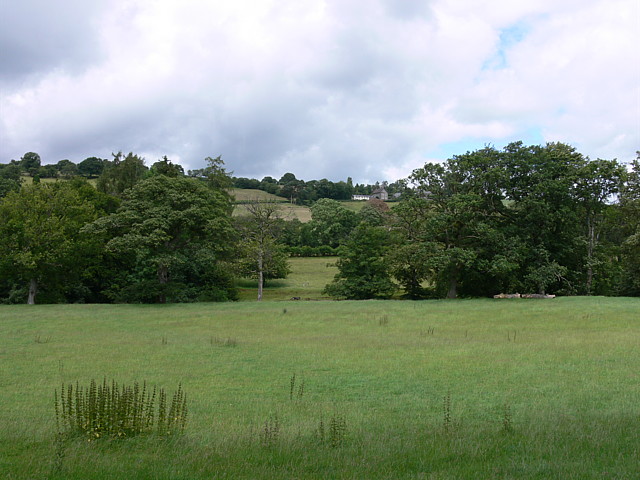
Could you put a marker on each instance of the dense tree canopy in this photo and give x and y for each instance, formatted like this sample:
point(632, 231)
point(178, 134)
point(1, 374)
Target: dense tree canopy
point(541, 218)
point(363, 266)
point(331, 223)
point(43, 248)
point(9, 178)
point(91, 166)
point(527, 218)
point(121, 174)
point(30, 162)
point(171, 236)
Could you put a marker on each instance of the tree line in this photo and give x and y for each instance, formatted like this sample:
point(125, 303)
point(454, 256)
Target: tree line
point(303, 192)
point(521, 219)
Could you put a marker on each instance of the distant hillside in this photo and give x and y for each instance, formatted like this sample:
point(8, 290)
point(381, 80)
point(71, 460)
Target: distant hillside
point(289, 211)
point(244, 195)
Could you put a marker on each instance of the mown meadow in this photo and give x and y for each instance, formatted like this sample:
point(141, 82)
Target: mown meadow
point(322, 389)
point(307, 279)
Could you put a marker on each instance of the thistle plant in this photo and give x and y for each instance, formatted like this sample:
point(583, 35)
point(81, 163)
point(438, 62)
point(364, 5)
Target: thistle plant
point(270, 431)
point(446, 410)
point(292, 387)
point(507, 419)
point(337, 430)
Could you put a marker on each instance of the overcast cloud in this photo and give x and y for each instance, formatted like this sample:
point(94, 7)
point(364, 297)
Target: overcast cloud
point(325, 89)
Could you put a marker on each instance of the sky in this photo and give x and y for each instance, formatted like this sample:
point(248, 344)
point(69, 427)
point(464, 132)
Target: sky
point(368, 89)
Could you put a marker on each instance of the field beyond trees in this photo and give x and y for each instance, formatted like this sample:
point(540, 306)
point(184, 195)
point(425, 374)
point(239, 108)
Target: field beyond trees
point(545, 389)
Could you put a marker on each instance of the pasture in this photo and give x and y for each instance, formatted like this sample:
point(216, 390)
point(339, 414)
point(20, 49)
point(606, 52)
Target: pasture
point(307, 279)
point(545, 389)
point(288, 211)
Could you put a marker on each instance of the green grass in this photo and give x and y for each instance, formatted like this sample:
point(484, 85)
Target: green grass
point(354, 205)
point(567, 370)
point(307, 279)
point(28, 180)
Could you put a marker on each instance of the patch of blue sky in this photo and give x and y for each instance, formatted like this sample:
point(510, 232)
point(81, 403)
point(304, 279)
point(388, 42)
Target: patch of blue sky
point(509, 37)
point(528, 136)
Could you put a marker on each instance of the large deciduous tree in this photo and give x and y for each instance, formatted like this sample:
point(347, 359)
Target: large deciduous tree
point(30, 163)
point(121, 174)
point(172, 236)
point(166, 167)
point(91, 166)
point(597, 182)
point(462, 208)
point(363, 268)
point(331, 222)
point(40, 239)
point(9, 178)
point(262, 256)
point(629, 283)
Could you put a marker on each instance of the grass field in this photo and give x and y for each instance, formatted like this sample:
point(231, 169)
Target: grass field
point(248, 194)
point(307, 279)
point(28, 180)
point(431, 390)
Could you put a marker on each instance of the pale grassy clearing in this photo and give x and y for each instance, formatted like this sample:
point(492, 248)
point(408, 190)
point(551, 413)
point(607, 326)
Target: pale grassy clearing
point(307, 279)
point(247, 195)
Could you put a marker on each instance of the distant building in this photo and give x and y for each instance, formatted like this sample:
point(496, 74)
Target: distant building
point(380, 194)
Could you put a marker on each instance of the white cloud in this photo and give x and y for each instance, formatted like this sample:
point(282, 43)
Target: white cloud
point(335, 88)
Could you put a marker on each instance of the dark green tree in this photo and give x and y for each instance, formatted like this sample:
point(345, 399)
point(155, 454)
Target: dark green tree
point(331, 222)
point(415, 256)
point(9, 178)
point(375, 212)
point(30, 163)
point(461, 212)
point(545, 215)
point(629, 283)
point(166, 167)
point(172, 237)
point(66, 168)
point(43, 249)
point(597, 182)
point(91, 167)
point(121, 174)
point(363, 269)
point(217, 176)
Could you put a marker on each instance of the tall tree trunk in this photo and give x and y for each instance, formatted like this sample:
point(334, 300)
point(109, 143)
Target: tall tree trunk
point(33, 290)
point(453, 283)
point(260, 274)
point(163, 278)
point(591, 243)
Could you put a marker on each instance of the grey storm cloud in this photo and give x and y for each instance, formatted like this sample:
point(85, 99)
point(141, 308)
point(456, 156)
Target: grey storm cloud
point(336, 88)
point(39, 36)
